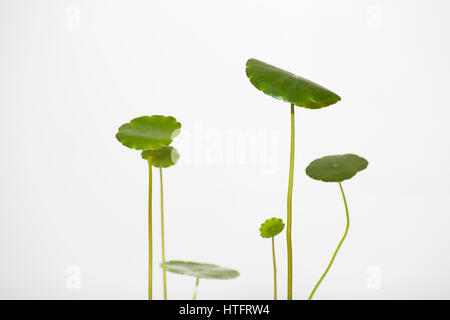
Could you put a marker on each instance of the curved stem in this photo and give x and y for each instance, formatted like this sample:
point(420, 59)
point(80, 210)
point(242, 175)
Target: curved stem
point(337, 249)
point(162, 235)
point(196, 289)
point(150, 234)
point(289, 204)
point(274, 271)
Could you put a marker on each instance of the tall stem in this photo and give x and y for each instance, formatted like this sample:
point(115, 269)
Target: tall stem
point(150, 234)
point(196, 289)
point(289, 204)
point(337, 249)
point(274, 271)
point(162, 235)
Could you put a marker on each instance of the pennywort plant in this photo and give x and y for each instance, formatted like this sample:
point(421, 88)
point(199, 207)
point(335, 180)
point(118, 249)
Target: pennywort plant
point(149, 133)
point(296, 91)
point(269, 229)
point(335, 168)
point(164, 157)
point(200, 271)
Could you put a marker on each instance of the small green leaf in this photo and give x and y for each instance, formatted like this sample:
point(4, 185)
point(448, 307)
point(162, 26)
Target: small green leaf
point(271, 227)
point(147, 132)
point(288, 87)
point(162, 158)
point(200, 270)
point(336, 168)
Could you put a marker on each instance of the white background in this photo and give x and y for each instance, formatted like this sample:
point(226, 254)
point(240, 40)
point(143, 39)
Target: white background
point(73, 198)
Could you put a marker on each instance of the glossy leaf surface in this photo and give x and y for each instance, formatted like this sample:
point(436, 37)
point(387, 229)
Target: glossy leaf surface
point(336, 168)
point(288, 87)
point(148, 132)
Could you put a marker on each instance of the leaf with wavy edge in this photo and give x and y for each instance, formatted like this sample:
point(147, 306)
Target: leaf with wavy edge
point(271, 227)
point(148, 132)
point(336, 168)
point(288, 87)
point(200, 270)
point(164, 157)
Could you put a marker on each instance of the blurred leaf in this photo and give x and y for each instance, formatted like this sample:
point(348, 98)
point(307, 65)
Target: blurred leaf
point(163, 157)
point(200, 270)
point(271, 227)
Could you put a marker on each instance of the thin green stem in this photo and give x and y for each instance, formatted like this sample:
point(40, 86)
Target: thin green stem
point(162, 235)
point(150, 234)
point(289, 205)
point(337, 249)
point(196, 288)
point(274, 271)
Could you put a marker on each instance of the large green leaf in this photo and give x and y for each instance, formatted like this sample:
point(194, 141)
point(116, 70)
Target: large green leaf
point(288, 87)
point(271, 227)
point(336, 168)
point(163, 157)
point(147, 132)
point(200, 270)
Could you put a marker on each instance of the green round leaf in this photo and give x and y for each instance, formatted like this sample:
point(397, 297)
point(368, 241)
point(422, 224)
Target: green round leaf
point(288, 87)
point(336, 168)
point(200, 270)
point(163, 157)
point(146, 132)
point(271, 227)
